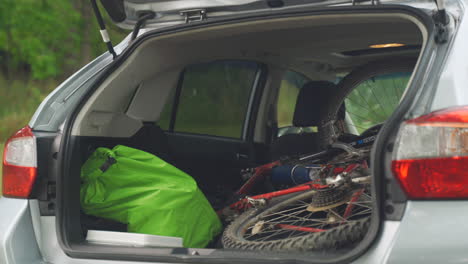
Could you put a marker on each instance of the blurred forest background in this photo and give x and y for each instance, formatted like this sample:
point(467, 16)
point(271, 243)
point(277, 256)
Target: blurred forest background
point(42, 42)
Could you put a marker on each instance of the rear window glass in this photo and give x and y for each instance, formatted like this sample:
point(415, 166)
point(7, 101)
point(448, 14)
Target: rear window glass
point(374, 100)
point(291, 83)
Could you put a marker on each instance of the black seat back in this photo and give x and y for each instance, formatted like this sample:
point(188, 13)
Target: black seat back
point(151, 138)
point(309, 108)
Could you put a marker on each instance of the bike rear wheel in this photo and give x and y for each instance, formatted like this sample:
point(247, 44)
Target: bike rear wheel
point(292, 225)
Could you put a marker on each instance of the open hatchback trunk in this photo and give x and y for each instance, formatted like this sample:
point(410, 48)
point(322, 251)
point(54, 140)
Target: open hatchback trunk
point(215, 97)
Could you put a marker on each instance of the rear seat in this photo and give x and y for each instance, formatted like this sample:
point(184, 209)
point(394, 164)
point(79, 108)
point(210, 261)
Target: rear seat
point(151, 138)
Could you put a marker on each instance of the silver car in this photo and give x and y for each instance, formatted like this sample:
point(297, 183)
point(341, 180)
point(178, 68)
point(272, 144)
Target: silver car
point(214, 87)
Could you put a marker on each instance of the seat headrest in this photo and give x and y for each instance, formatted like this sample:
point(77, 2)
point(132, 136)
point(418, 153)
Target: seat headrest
point(311, 100)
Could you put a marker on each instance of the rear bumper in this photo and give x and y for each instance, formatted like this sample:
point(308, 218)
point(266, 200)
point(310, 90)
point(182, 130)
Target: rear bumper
point(17, 239)
point(430, 232)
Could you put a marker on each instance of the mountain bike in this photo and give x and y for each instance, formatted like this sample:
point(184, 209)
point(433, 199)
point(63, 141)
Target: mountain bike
point(333, 208)
point(335, 203)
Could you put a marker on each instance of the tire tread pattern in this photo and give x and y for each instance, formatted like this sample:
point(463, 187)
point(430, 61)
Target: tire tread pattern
point(337, 237)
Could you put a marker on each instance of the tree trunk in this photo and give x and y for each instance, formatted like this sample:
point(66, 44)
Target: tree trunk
point(8, 62)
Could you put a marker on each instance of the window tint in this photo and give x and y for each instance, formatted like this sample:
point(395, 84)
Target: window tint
point(290, 85)
point(374, 100)
point(214, 98)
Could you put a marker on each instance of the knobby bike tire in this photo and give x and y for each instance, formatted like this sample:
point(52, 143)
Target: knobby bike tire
point(347, 85)
point(342, 235)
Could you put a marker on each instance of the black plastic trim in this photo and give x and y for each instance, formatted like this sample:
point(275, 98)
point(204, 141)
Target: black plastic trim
point(73, 248)
point(205, 136)
point(44, 142)
point(175, 104)
point(144, 16)
point(255, 106)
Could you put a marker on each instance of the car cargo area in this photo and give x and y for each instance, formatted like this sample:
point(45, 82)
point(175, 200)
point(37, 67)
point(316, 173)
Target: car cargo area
point(249, 139)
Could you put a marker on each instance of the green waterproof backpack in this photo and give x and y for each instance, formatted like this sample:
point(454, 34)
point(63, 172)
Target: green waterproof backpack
point(148, 194)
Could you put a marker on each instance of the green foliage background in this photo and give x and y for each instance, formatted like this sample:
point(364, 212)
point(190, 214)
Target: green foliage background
point(48, 39)
point(42, 42)
point(374, 100)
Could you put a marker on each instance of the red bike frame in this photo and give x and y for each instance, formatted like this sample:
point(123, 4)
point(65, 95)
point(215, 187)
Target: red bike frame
point(260, 174)
point(245, 204)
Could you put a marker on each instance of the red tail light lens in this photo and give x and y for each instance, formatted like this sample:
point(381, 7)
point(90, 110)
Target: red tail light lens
point(431, 159)
point(19, 164)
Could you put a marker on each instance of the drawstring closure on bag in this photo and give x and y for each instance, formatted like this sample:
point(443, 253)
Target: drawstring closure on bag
point(109, 162)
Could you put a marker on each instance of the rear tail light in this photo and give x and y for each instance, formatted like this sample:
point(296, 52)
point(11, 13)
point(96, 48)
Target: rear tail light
point(431, 159)
point(19, 164)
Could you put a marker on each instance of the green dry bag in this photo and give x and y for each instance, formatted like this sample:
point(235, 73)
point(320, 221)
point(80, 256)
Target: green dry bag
point(148, 194)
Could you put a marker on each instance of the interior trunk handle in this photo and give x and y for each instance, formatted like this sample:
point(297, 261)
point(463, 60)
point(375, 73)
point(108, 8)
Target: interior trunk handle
point(241, 156)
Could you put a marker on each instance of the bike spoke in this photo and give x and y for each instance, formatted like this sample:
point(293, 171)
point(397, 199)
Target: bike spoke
point(294, 220)
point(336, 214)
point(306, 218)
point(364, 212)
point(287, 210)
point(360, 204)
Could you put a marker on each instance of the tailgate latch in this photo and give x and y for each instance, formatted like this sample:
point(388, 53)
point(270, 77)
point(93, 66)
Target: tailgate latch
point(441, 20)
point(193, 15)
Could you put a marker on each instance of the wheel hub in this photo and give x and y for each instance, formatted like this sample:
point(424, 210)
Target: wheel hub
point(328, 198)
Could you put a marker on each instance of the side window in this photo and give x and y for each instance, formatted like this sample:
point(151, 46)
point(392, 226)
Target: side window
point(291, 83)
point(214, 99)
point(372, 101)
